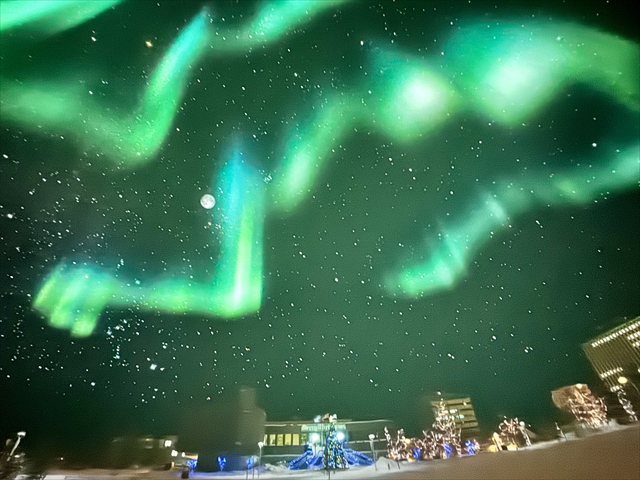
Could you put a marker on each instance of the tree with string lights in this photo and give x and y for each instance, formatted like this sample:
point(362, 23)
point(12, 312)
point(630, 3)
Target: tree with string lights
point(445, 432)
point(333, 455)
point(587, 408)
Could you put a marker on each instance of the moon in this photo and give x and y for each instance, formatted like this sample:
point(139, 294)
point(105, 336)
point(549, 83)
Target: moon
point(208, 201)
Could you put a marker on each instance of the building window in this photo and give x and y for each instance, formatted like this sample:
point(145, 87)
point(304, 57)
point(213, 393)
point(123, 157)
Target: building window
point(287, 439)
point(280, 440)
point(272, 440)
point(296, 439)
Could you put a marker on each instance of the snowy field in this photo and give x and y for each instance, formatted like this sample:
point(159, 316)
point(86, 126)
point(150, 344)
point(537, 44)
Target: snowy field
point(611, 455)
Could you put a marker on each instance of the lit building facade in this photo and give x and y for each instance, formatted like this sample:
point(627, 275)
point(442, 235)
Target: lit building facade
point(287, 440)
point(615, 356)
point(461, 409)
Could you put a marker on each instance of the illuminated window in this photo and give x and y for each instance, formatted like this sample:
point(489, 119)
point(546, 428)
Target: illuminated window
point(296, 439)
point(280, 440)
point(272, 439)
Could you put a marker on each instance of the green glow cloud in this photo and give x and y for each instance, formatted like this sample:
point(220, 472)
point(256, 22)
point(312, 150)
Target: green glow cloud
point(409, 97)
point(68, 108)
point(74, 296)
point(405, 100)
point(65, 107)
point(309, 150)
point(272, 21)
point(454, 249)
point(506, 73)
point(510, 71)
point(49, 16)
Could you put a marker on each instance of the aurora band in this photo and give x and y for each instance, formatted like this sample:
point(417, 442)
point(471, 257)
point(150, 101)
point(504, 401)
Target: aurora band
point(511, 72)
point(74, 296)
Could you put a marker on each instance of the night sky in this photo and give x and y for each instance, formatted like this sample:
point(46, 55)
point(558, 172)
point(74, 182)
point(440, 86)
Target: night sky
point(334, 332)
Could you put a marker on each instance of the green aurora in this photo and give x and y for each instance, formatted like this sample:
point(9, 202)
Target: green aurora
point(523, 69)
point(336, 228)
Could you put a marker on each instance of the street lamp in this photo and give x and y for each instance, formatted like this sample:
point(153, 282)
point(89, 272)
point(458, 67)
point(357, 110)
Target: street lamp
point(373, 452)
point(626, 404)
point(314, 439)
point(622, 380)
point(260, 445)
point(21, 435)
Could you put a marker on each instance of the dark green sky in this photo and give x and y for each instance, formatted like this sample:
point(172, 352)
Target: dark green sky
point(329, 337)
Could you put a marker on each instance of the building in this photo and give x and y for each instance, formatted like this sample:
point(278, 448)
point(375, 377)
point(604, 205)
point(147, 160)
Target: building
point(287, 440)
point(461, 409)
point(149, 451)
point(615, 356)
point(228, 431)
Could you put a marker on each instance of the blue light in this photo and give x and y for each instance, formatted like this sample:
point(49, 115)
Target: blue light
point(470, 447)
point(313, 461)
point(448, 449)
point(416, 454)
point(222, 461)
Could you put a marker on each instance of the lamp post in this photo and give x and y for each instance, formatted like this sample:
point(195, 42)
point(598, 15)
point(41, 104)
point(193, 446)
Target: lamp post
point(260, 445)
point(21, 435)
point(622, 380)
point(626, 404)
point(373, 452)
point(315, 440)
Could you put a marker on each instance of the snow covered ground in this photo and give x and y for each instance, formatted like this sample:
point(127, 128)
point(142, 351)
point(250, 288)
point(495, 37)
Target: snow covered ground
point(613, 454)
